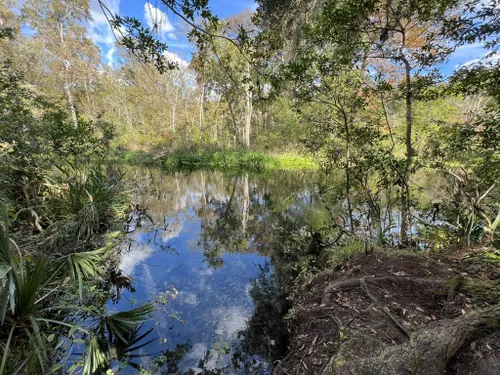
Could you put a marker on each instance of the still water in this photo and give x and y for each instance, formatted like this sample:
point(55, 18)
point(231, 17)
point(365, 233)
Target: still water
point(207, 254)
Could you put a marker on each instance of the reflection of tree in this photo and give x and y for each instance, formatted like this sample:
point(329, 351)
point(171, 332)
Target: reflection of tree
point(170, 361)
point(268, 215)
point(222, 227)
point(266, 334)
point(251, 216)
point(172, 358)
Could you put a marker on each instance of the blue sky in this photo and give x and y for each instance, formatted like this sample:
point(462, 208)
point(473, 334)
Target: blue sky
point(172, 30)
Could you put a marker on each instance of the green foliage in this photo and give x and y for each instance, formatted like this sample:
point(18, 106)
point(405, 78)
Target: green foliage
point(238, 160)
point(29, 291)
point(339, 255)
point(140, 42)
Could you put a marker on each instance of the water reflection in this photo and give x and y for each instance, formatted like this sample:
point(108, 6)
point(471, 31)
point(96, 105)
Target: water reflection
point(209, 256)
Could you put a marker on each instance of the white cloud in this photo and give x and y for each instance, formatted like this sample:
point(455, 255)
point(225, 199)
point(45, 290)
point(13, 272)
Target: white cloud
point(172, 56)
point(110, 55)
point(158, 21)
point(487, 58)
point(99, 29)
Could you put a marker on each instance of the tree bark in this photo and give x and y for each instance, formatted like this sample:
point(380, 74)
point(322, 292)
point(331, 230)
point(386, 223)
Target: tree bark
point(248, 108)
point(202, 97)
point(405, 185)
point(427, 352)
point(67, 83)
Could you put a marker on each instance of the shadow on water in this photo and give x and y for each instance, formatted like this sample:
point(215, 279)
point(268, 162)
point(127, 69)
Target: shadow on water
point(215, 253)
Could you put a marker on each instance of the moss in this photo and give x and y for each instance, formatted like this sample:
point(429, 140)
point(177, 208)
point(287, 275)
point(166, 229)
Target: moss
point(339, 362)
point(480, 289)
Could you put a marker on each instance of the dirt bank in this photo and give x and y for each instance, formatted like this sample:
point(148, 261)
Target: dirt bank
point(398, 313)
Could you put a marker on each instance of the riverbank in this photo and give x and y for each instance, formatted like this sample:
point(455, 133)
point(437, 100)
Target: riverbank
point(227, 160)
point(393, 312)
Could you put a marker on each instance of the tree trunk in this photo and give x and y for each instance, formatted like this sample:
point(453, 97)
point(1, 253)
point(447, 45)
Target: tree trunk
point(71, 101)
point(347, 169)
point(202, 97)
point(67, 83)
point(268, 121)
point(173, 118)
point(248, 108)
point(405, 186)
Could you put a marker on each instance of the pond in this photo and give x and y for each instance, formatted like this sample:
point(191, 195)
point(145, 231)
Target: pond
point(209, 254)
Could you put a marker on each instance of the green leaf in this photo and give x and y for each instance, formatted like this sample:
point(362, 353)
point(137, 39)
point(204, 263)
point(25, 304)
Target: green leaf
point(6, 349)
point(4, 270)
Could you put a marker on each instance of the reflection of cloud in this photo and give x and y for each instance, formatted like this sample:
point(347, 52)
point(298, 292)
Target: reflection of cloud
point(196, 353)
point(248, 287)
point(189, 298)
point(206, 272)
point(230, 320)
point(172, 231)
point(139, 252)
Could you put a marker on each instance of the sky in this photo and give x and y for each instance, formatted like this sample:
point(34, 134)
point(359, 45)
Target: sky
point(172, 30)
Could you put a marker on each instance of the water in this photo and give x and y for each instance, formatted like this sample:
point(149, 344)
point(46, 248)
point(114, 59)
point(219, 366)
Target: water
point(207, 255)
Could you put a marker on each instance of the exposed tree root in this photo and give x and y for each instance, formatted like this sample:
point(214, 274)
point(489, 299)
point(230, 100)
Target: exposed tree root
point(386, 311)
point(351, 283)
point(427, 352)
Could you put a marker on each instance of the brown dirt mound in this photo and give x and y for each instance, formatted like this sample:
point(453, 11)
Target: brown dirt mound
point(377, 301)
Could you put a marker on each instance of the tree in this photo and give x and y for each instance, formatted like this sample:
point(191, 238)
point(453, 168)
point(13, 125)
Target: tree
point(399, 39)
point(73, 58)
point(224, 69)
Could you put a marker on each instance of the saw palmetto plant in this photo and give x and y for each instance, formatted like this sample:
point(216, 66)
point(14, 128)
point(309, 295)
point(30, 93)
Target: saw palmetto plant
point(31, 318)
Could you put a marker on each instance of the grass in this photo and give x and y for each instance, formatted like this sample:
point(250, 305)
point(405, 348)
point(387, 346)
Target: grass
point(226, 160)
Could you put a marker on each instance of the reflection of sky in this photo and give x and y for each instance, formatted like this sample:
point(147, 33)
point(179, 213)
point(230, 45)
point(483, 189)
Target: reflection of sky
point(214, 304)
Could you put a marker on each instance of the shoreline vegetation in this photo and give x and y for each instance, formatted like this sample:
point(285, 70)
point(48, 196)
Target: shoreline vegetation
point(405, 142)
point(237, 160)
point(437, 311)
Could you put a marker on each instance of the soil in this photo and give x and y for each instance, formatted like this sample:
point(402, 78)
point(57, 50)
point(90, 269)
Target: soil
point(377, 301)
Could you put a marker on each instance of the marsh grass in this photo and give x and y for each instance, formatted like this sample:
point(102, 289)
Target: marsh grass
point(237, 160)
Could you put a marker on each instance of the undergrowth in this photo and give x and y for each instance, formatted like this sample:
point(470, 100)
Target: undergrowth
point(225, 160)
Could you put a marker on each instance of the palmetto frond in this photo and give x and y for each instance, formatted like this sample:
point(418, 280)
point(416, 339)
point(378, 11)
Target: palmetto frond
point(7, 294)
point(79, 266)
point(94, 357)
point(122, 323)
point(123, 338)
point(24, 286)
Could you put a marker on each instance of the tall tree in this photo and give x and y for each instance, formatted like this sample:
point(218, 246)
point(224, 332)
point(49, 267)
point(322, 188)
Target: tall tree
point(402, 40)
point(73, 58)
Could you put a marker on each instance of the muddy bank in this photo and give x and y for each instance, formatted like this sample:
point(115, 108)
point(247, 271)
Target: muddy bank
point(398, 313)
